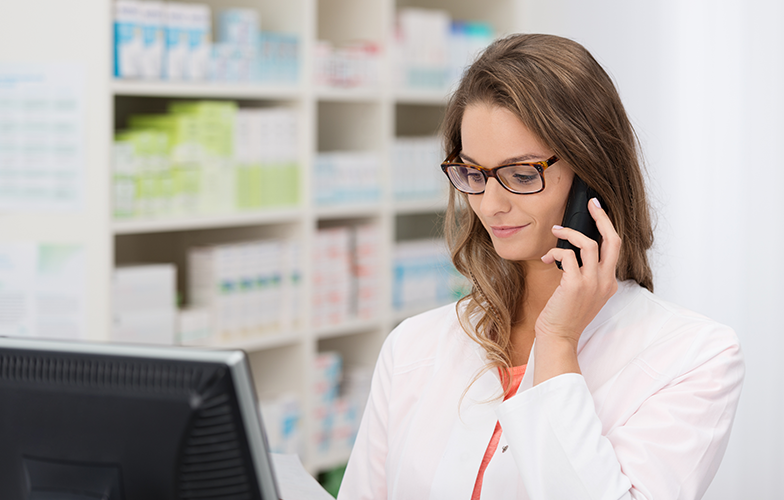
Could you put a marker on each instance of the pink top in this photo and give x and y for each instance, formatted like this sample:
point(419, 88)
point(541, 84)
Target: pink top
point(516, 372)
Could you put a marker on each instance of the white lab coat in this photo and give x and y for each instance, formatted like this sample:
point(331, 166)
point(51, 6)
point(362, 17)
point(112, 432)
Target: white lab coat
point(649, 418)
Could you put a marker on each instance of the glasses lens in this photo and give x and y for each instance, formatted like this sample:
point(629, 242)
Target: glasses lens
point(521, 178)
point(467, 179)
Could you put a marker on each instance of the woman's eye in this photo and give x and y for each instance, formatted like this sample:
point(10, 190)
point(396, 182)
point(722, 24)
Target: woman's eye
point(474, 177)
point(525, 179)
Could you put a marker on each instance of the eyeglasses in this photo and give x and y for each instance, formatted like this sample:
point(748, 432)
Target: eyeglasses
point(517, 178)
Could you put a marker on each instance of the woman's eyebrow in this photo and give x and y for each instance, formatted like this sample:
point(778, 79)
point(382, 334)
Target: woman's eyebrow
point(516, 159)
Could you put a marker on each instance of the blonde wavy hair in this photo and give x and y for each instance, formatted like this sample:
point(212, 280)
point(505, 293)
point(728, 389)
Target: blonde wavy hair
point(562, 95)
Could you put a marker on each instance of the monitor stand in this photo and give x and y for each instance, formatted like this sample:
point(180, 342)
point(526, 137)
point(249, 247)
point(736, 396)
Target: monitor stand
point(57, 480)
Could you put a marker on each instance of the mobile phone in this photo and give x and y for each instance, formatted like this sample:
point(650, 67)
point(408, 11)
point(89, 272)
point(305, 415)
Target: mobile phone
point(577, 216)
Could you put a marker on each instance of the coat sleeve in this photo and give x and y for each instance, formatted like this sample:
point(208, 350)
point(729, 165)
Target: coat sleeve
point(669, 447)
point(365, 476)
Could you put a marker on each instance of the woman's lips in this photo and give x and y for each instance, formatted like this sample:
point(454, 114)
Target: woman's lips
point(506, 231)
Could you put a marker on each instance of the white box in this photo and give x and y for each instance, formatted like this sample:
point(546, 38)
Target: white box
point(281, 417)
point(145, 327)
point(153, 40)
point(177, 48)
point(194, 326)
point(144, 287)
point(198, 25)
point(239, 26)
point(127, 39)
point(228, 262)
point(292, 285)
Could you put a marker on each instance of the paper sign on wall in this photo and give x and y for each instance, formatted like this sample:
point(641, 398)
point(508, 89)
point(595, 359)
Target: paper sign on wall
point(42, 290)
point(41, 137)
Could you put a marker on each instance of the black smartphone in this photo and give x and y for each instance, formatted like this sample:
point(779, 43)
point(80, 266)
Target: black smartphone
point(578, 217)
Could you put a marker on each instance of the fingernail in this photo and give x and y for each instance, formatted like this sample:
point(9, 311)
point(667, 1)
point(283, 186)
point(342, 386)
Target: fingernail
point(596, 202)
point(557, 227)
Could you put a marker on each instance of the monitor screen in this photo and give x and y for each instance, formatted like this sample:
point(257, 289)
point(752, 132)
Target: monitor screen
point(105, 421)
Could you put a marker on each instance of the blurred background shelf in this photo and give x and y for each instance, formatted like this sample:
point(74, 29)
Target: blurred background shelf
point(420, 206)
point(348, 94)
point(251, 343)
point(278, 160)
point(205, 90)
point(273, 216)
point(429, 97)
point(351, 327)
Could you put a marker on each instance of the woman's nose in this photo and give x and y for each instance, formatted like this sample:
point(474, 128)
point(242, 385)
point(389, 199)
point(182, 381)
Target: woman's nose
point(495, 199)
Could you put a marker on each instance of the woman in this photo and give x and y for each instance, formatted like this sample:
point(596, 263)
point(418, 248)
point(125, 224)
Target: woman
point(545, 383)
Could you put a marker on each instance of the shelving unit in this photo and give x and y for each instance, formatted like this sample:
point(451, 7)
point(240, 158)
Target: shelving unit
point(331, 119)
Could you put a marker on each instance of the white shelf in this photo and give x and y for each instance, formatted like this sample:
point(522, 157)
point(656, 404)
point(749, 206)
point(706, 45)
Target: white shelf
point(255, 342)
point(140, 226)
point(204, 90)
point(436, 97)
point(420, 206)
point(359, 210)
point(358, 94)
point(352, 327)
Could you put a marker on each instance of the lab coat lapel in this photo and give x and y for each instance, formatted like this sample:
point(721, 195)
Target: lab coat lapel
point(469, 436)
point(528, 377)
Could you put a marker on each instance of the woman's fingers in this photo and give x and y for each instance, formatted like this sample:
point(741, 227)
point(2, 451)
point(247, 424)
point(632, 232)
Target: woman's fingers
point(565, 256)
point(583, 291)
point(589, 248)
point(611, 242)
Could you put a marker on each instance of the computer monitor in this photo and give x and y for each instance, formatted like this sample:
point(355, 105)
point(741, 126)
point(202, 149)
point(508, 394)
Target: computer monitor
point(105, 421)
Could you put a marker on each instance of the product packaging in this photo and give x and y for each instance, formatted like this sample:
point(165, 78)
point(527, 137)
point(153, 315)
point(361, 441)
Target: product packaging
point(128, 41)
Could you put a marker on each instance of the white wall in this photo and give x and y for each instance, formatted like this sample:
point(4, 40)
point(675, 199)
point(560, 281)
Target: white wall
point(703, 82)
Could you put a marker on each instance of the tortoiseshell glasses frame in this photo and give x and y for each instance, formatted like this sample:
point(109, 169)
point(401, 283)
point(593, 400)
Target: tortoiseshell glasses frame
point(517, 178)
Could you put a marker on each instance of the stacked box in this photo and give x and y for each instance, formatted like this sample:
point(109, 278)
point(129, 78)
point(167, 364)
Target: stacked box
point(345, 423)
point(332, 276)
point(128, 38)
point(353, 65)
point(194, 326)
point(423, 35)
point(185, 156)
point(212, 157)
point(154, 40)
point(355, 389)
point(215, 128)
point(173, 41)
point(431, 50)
point(345, 274)
point(423, 276)
point(292, 286)
point(238, 27)
point(326, 386)
point(177, 45)
point(142, 170)
point(213, 284)
point(198, 26)
point(282, 416)
point(346, 177)
point(266, 158)
point(244, 286)
point(415, 169)
point(124, 159)
point(367, 253)
point(234, 54)
point(277, 58)
point(340, 395)
point(466, 41)
point(144, 303)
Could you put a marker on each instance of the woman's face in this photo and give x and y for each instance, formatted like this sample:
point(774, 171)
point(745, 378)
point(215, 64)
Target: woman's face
point(519, 225)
